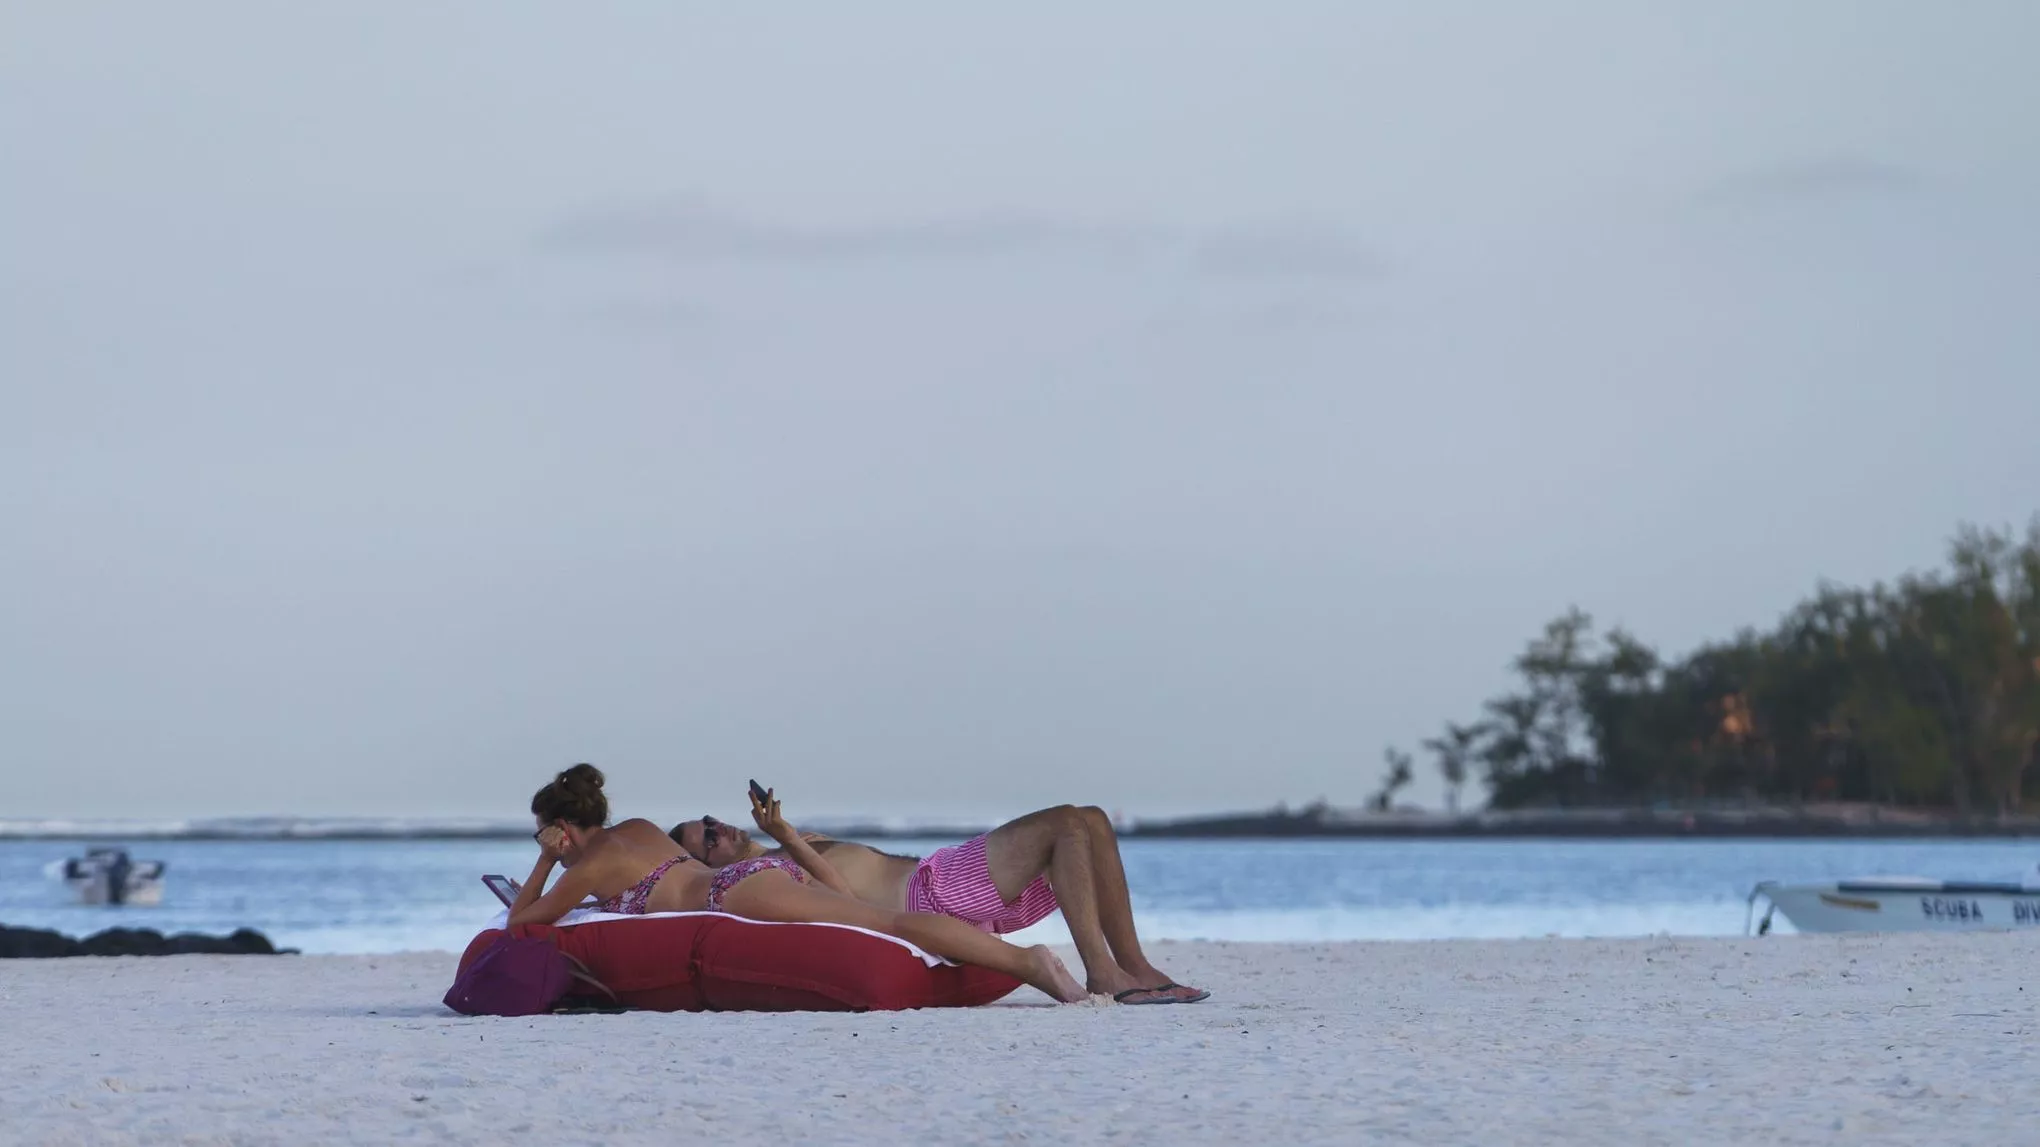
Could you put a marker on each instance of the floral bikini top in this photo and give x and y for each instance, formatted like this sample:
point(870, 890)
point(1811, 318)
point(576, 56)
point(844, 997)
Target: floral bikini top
point(631, 901)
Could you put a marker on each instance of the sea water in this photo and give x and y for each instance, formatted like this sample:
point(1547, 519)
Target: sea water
point(353, 896)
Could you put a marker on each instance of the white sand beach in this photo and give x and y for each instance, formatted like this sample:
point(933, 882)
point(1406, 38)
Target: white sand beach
point(1786, 1039)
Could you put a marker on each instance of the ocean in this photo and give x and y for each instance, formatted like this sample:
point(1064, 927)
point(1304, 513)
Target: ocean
point(368, 896)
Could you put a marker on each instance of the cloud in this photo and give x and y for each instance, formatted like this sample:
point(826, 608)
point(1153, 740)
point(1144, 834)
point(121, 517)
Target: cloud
point(1283, 317)
point(692, 231)
point(688, 230)
point(1288, 251)
point(645, 316)
point(1829, 179)
point(640, 312)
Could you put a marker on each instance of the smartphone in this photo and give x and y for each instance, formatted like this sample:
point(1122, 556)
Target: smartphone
point(758, 792)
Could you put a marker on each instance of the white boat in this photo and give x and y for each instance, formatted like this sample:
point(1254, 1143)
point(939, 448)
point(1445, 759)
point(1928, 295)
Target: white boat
point(1901, 904)
point(108, 876)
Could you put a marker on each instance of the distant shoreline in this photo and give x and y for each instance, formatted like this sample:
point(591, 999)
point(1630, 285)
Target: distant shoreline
point(1318, 822)
point(1558, 826)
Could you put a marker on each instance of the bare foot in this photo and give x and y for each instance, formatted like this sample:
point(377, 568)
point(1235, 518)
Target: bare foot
point(1050, 976)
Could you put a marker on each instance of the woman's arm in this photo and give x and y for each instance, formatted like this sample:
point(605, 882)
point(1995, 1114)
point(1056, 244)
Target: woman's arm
point(535, 904)
point(534, 885)
point(769, 820)
point(563, 897)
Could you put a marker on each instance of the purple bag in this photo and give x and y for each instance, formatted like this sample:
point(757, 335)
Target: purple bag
point(518, 976)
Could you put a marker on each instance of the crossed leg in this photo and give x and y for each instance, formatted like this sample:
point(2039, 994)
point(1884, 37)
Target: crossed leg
point(1078, 851)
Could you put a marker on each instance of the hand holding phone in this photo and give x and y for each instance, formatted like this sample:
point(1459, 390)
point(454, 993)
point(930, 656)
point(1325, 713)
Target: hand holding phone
point(765, 813)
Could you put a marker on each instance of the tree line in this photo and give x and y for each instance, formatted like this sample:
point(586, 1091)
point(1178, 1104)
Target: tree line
point(1924, 692)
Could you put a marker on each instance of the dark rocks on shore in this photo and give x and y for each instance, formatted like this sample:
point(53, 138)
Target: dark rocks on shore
point(40, 943)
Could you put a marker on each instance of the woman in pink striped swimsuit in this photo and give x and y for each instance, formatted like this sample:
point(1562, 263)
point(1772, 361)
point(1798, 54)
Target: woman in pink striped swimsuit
point(633, 867)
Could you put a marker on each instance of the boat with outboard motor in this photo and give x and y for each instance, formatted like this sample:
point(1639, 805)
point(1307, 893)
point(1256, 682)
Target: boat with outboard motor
point(1900, 904)
point(109, 876)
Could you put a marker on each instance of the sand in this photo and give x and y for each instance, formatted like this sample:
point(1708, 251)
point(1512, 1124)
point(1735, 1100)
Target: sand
point(1786, 1039)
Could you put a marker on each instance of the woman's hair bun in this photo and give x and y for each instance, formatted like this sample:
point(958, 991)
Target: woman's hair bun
point(575, 796)
point(582, 778)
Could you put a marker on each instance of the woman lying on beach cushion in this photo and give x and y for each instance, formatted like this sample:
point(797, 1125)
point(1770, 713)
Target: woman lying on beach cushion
point(635, 868)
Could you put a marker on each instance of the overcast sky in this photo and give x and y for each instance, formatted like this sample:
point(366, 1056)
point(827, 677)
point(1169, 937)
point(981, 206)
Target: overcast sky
point(935, 410)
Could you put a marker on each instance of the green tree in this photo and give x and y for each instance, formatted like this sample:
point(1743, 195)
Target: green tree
point(1923, 692)
point(1400, 774)
point(1454, 753)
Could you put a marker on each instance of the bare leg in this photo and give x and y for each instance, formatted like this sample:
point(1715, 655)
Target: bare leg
point(1115, 903)
point(1058, 841)
point(773, 895)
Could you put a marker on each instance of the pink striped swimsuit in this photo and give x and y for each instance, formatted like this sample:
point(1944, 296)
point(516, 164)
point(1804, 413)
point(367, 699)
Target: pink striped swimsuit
point(730, 875)
point(957, 881)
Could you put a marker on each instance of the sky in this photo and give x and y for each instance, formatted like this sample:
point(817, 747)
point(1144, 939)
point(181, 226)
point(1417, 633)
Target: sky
point(933, 411)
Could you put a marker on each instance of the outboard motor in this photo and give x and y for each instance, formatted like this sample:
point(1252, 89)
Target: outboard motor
point(117, 878)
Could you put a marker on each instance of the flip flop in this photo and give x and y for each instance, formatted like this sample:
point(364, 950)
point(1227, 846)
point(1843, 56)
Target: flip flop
point(1196, 996)
point(1160, 995)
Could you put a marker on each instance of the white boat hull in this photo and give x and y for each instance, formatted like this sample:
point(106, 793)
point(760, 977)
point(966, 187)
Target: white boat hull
point(107, 876)
point(1902, 905)
point(140, 892)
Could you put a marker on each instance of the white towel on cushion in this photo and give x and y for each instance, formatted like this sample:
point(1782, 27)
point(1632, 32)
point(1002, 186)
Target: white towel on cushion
point(591, 916)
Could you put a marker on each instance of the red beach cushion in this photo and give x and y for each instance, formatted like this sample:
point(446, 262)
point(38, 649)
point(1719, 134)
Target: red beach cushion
point(713, 962)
